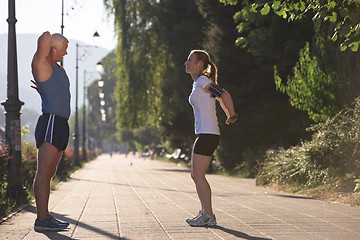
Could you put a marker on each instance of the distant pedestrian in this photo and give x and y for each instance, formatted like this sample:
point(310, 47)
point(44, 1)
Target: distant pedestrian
point(52, 129)
point(202, 98)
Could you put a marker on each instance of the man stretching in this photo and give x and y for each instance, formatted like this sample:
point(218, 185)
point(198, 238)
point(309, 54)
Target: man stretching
point(52, 129)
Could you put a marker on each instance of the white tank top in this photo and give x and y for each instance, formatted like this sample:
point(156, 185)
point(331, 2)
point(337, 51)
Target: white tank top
point(204, 107)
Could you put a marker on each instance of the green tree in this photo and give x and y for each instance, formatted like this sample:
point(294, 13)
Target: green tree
point(265, 117)
point(150, 90)
point(317, 89)
point(344, 14)
point(102, 128)
point(141, 60)
point(154, 40)
point(325, 78)
point(180, 28)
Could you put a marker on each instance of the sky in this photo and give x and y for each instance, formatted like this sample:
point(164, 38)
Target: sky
point(81, 19)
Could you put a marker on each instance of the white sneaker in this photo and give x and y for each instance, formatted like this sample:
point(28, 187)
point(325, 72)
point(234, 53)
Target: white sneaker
point(202, 220)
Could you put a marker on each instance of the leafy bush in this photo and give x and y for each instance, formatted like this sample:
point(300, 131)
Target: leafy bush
point(29, 163)
point(29, 153)
point(29, 167)
point(4, 156)
point(357, 186)
point(331, 154)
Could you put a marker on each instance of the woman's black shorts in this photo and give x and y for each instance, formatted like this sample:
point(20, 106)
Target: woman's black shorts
point(205, 144)
point(53, 129)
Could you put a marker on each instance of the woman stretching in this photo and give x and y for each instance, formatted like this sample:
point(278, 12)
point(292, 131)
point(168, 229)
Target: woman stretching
point(202, 98)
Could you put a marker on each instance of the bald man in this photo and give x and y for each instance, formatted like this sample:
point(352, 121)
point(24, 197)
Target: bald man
point(52, 129)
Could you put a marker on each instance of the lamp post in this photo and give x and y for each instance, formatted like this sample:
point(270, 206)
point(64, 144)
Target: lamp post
point(99, 68)
point(12, 107)
point(62, 25)
point(76, 160)
point(61, 165)
point(102, 101)
point(62, 17)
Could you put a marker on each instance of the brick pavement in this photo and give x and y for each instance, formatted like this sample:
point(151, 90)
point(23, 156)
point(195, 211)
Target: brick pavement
point(135, 198)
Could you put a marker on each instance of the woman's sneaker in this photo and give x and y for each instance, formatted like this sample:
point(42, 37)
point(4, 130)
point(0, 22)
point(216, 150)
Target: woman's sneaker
point(202, 220)
point(49, 224)
point(191, 219)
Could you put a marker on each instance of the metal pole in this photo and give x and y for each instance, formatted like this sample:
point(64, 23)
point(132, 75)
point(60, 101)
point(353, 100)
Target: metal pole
point(12, 107)
point(84, 122)
point(62, 25)
point(61, 166)
point(76, 161)
point(62, 18)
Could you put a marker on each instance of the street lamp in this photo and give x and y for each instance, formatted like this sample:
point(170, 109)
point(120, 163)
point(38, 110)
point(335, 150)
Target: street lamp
point(12, 107)
point(76, 161)
point(100, 83)
point(102, 101)
point(96, 38)
point(99, 68)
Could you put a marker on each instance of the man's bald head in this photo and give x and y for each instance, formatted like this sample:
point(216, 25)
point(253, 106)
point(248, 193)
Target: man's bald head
point(57, 39)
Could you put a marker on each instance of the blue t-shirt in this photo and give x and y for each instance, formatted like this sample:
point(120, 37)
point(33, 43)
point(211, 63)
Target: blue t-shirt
point(55, 93)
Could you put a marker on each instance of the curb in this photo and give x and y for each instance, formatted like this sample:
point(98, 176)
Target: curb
point(15, 212)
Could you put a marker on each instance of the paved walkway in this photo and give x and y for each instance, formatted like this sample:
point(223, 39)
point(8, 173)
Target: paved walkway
point(134, 198)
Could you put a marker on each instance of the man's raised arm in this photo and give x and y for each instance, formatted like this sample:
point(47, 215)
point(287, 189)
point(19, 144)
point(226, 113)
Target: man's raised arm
point(40, 66)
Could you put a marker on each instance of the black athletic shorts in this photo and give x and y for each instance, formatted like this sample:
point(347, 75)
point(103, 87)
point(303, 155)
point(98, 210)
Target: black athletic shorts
point(205, 144)
point(53, 129)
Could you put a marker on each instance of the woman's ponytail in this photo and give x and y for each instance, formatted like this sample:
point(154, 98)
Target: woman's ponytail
point(213, 72)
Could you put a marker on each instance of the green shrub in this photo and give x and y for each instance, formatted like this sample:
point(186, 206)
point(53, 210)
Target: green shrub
point(357, 186)
point(331, 154)
point(4, 156)
point(29, 164)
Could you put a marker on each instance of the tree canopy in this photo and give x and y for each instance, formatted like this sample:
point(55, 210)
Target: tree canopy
point(344, 16)
point(255, 44)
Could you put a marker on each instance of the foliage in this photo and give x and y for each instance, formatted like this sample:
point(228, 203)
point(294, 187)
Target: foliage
point(28, 171)
point(344, 15)
point(3, 163)
point(326, 77)
point(140, 138)
point(29, 156)
point(150, 89)
point(3, 173)
point(310, 89)
point(265, 116)
point(357, 186)
point(154, 39)
point(98, 128)
point(29, 164)
point(332, 153)
point(141, 62)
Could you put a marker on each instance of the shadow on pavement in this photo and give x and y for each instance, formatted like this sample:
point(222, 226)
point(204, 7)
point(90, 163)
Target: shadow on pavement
point(292, 196)
point(128, 185)
point(238, 233)
point(173, 170)
point(58, 236)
